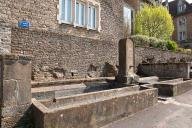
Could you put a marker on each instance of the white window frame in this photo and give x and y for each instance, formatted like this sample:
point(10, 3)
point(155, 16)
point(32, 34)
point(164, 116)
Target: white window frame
point(126, 18)
point(82, 3)
point(96, 10)
point(73, 22)
point(60, 13)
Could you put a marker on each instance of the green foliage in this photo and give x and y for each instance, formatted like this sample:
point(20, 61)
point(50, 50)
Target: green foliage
point(154, 21)
point(172, 45)
point(145, 41)
point(185, 51)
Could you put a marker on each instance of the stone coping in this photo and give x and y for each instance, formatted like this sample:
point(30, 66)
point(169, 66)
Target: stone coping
point(70, 81)
point(90, 96)
point(47, 110)
point(166, 63)
point(15, 57)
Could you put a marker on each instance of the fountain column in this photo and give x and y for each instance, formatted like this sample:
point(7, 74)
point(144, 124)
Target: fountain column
point(126, 73)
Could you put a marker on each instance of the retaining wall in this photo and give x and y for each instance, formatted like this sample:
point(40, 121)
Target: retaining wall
point(64, 56)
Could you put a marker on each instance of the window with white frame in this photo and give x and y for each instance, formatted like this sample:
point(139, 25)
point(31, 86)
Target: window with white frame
point(92, 17)
point(66, 11)
point(82, 13)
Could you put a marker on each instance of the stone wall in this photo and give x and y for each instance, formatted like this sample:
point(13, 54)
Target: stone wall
point(166, 70)
point(65, 51)
point(5, 37)
point(154, 55)
point(62, 50)
point(43, 16)
point(58, 55)
point(63, 56)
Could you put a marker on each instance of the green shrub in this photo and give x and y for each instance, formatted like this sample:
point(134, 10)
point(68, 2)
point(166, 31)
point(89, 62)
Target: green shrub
point(180, 50)
point(188, 51)
point(141, 40)
point(185, 51)
point(154, 21)
point(172, 45)
point(145, 41)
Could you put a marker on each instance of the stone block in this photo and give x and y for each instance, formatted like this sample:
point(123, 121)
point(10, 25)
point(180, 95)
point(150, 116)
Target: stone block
point(16, 69)
point(18, 121)
point(12, 111)
point(16, 92)
point(10, 92)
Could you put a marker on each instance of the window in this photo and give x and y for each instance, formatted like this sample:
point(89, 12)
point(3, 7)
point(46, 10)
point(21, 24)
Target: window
point(181, 7)
point(82, 13)
point(182, 21)
point(182, 36)
point(92, 17)
point(127, 20)
point(66, 13)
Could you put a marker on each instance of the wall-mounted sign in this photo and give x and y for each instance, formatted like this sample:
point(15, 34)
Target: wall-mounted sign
point(24, 24)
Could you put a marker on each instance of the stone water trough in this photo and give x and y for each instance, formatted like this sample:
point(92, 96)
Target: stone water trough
point(93, 108)
point(92, 103)
point(174, 87)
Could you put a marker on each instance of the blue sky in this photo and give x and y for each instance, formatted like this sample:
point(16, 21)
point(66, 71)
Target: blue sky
point(190, 1)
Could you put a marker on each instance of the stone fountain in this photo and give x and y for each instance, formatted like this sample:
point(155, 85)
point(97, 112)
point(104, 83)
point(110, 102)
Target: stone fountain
point(126, 74)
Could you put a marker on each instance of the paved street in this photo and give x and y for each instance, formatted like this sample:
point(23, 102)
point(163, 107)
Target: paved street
point(173, 113)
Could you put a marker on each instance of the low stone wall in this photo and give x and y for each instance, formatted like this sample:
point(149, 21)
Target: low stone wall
point(58, 56)
point(173, 87)
point(183, 87)
point(163, 70)
point(94, 113)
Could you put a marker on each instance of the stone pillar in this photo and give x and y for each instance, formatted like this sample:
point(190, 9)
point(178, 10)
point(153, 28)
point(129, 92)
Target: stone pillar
point(126, 61)
point(5, 38)
point(15, 90)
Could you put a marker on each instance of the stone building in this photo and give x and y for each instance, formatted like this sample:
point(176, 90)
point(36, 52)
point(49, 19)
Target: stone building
point(66, 37)
point(181, 11)
point(70, 38)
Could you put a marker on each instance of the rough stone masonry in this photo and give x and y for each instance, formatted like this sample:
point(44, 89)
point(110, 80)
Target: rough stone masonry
point(15, 90)
point(63, 51)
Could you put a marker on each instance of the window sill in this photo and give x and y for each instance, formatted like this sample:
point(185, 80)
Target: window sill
point(78, 26)
point(65, 22)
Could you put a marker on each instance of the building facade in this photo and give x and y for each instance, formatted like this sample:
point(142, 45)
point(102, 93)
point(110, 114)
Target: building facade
point(67, 38)
point(181, 11)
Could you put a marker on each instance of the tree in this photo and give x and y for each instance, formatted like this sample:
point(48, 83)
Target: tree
point(154, 21)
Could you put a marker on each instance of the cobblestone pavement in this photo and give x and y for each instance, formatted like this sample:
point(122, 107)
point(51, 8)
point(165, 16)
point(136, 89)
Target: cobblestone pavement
point(173, 113)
